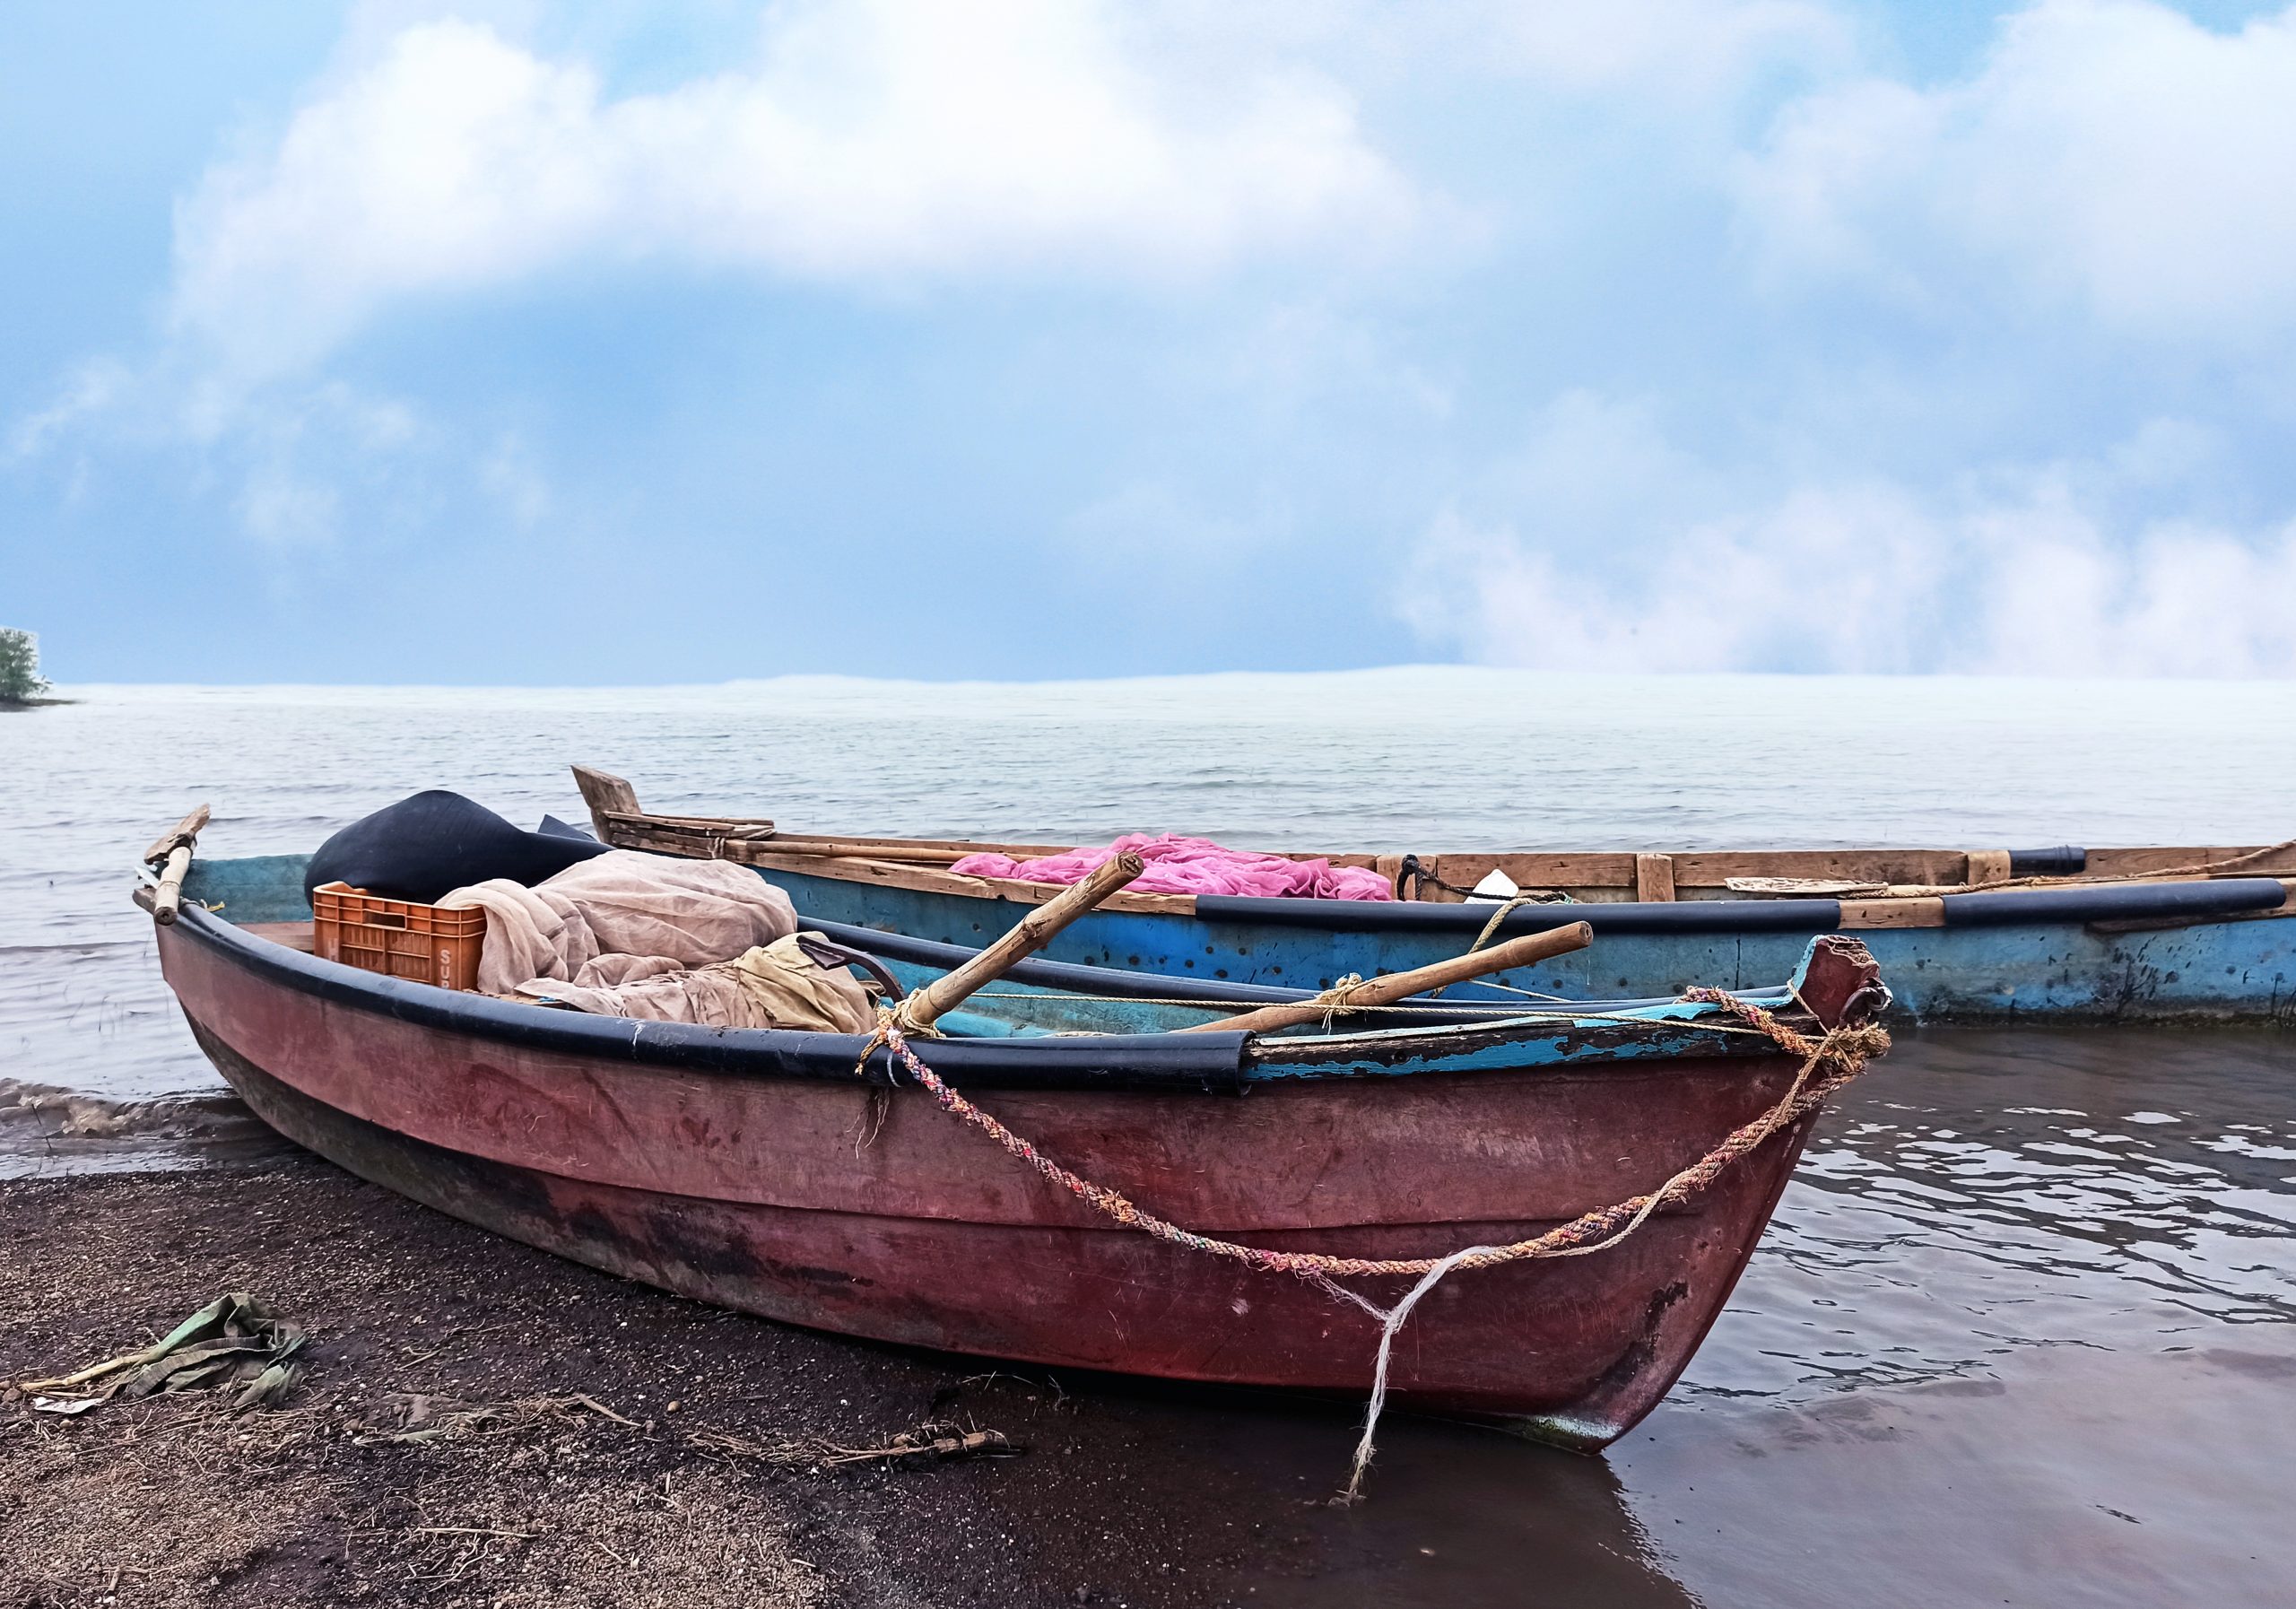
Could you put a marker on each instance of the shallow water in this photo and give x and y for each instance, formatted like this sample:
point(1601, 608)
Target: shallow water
point(2021, 1331)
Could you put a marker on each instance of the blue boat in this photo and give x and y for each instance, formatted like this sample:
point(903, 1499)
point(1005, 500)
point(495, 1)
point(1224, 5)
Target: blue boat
point(2056, 935)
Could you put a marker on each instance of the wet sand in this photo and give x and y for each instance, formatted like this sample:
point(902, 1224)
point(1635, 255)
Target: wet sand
point(170, 1501)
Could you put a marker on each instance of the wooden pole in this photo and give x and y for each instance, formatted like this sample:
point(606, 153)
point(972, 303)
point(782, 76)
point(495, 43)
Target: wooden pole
point(167, 904)
point(1031, 934)
point(1399, 985)
point(172, 853)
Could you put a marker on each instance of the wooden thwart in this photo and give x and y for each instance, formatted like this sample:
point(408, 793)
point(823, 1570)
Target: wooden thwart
point(1989, 865)
point(1654, 877)
point(1522, 952)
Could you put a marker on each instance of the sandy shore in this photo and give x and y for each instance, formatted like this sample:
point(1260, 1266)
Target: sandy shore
point(170, 1501)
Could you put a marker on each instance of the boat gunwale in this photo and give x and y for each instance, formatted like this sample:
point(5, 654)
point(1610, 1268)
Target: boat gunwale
point(2199, 900)
point(1222, 1063)
point(2193, 901)
point(2106, 885)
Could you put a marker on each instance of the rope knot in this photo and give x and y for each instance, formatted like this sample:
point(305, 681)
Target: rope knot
point(1338, 1000)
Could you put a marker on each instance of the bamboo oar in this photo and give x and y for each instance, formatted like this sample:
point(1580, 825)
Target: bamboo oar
point(174, 848)
point(167, 903)
point(1399, 986)
point(1031, 934)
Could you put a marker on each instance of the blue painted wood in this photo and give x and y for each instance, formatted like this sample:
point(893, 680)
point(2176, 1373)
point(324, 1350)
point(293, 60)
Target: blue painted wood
point(2231, 968)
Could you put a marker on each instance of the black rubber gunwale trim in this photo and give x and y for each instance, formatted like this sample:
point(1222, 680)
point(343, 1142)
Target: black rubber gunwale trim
point(2021, 907)
point(2115, 902)
point(1204, 1062)
point(1412, 916)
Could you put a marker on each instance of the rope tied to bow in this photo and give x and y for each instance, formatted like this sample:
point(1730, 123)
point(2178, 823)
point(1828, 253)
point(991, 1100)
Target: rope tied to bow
point(1842, 1053)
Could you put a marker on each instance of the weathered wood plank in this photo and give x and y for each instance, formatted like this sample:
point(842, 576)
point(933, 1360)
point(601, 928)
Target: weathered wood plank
point(1654, 878)
point(1986, 866)
point(1575, 870)
point(2162, 857)
point(1714, 869)
point(606, 794)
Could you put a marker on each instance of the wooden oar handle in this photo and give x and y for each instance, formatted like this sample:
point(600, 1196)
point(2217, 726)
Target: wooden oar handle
point(171, 852)
point(1399, 985)
point(1031, 934)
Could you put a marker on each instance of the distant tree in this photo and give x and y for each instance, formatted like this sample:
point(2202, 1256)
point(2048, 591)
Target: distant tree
point(20, 677)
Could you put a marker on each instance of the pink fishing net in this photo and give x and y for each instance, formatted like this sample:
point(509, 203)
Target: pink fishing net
point(1192, 866)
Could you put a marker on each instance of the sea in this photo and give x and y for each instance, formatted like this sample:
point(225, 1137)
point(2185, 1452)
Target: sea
point(2023, 1330)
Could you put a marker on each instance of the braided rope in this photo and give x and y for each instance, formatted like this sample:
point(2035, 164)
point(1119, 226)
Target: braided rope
point(1338, 1000)
point(1847, 1050)
point(1844, 1051)
point(1514, 902)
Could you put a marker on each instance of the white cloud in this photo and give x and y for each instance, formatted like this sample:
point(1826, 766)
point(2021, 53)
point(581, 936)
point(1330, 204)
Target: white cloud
point(2110, 153)
point(1600, 546)
point(1867, 580)
point(301, 455)
point(92, 387)
point(1639, 54)
point(888, 140)
point(1677, 48)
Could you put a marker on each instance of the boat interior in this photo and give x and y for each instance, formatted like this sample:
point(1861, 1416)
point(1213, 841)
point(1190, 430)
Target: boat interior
point(1893, 881)
point(263, 897)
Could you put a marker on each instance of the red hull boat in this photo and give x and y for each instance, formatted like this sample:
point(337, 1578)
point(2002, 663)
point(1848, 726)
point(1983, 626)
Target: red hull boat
point(728, 1165)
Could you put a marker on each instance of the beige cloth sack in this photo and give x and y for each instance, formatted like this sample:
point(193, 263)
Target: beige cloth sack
point(771, 986)
point(626, 904)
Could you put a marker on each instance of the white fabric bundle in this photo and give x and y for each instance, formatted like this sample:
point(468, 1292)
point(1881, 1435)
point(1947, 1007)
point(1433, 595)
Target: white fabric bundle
point(622, 904)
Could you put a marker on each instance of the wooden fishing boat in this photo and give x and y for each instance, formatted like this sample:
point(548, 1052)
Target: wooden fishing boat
point(801, 1176)
point(2135, 935)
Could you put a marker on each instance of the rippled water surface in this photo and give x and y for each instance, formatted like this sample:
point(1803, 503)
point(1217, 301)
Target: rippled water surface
point(2019, 1333)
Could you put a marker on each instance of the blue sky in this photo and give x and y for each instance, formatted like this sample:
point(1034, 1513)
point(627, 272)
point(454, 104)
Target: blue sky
point(621, 342)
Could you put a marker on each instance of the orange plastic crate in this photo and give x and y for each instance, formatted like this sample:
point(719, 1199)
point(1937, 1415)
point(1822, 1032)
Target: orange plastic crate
point(397, 937)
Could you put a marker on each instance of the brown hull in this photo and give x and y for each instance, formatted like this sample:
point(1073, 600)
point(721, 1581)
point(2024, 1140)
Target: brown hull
point(752, 1192)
